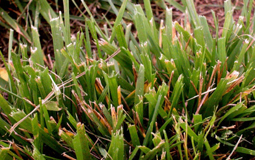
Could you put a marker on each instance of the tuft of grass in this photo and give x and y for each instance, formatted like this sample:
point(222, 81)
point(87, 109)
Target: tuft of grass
point(165, 91)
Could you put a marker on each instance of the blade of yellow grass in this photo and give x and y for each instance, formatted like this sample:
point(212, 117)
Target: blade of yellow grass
point(4, 74)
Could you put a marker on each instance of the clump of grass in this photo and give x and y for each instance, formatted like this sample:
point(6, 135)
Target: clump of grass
point(171, 92)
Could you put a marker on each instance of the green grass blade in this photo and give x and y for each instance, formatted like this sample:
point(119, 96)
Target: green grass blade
point(118, 19)
point(80, 143)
